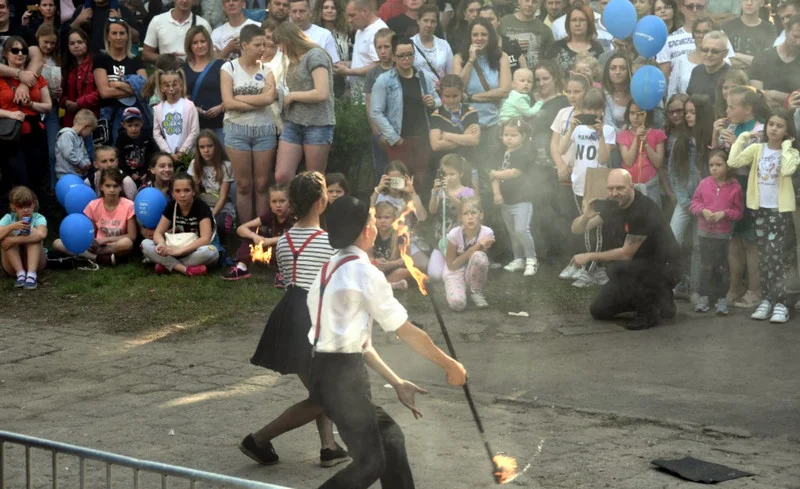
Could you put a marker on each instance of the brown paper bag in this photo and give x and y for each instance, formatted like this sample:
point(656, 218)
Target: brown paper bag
point(596, 184)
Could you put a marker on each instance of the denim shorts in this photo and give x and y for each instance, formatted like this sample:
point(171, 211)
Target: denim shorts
point(301, 135)
point(250, 138)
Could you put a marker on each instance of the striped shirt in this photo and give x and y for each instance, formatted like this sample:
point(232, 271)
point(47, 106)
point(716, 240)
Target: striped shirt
point(309, 262)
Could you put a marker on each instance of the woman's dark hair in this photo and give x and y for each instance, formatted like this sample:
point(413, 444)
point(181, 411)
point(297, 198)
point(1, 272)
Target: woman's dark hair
point(341, 17)
point(677, 17)
point(608, 86)
point(555, 71)
point(70, 63)
point(185, 176)
point(451, 81)
point(250, 31)
point(460, 21)
point(11, 40)
point(676, 97)
point(428, 8)
point(791, 128)
point(701, 134)
point(492, 50)
point(305, 190)
point(752, 97)
point(337, 179)
point(648, 118)
point(591, 30)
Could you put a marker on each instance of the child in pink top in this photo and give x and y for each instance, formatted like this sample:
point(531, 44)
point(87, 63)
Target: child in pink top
point(717, 202)
point(642, 151)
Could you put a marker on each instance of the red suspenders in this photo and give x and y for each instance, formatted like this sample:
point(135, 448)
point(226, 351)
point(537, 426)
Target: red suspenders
point(296, 253)
point(323, 282)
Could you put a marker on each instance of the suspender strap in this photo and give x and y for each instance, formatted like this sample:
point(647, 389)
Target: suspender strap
point(323, 282)
point(296, 253)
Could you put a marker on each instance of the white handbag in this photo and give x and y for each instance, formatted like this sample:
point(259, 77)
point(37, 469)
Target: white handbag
point(178, 240)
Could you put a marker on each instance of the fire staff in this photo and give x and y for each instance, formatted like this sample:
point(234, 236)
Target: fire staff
point(344, 299)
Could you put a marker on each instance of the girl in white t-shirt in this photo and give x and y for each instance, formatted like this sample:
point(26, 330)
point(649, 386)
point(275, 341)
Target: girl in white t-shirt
point(175, 121)
point(467, 263)
point(590, 142)
point(213, 174)
point(770, 195)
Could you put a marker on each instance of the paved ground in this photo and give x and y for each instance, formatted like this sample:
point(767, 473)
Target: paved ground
point(599, 401)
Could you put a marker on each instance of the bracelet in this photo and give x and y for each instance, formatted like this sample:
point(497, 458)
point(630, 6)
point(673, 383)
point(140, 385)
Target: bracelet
point(16, 77)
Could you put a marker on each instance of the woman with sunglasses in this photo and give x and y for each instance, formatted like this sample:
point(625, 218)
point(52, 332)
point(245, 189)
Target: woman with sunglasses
point(110, 71)
point(26, 161)
point(684, 64)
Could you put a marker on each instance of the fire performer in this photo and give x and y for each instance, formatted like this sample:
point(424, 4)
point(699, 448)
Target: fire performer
point(644, 268)
point(343, 301)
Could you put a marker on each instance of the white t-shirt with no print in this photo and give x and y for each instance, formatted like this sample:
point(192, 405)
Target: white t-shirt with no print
point(364, 53)
point(561, 125)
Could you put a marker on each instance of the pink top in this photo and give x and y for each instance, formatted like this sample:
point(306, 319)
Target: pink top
point(110, 224)
point(714, 197)
point(648, 171)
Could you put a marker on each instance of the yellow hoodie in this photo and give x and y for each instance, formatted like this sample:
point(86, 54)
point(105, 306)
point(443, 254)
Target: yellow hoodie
point(750, 156)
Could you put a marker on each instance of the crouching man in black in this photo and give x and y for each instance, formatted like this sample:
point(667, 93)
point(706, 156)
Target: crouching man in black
point(644, 269)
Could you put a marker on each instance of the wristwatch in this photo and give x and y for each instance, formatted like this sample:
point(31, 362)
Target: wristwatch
point(16, 77)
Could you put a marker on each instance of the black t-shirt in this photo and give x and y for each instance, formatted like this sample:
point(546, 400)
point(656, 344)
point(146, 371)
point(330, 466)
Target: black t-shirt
point(96, 26)
point(116, 70)
point(403, 25)
point(703, 83)
point(749, 39)
point(134, 154)
point(191, 222)
point(208, 95)
point(770, 69)
point(514, 51)
point(540, 129)
point(13, 30)
point(515, 190)
point(414, 123)
point(643, 218)
point(271, 227)
point(382, 248)
point(447, 121)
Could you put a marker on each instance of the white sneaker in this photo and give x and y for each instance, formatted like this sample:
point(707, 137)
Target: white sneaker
point(531, 267)
point(702, 304)
point(569, 273)
point(600, 276)
point(763, 310)
point(479, 300)
point(780, 314)
point(584, 280)
point(515, 265)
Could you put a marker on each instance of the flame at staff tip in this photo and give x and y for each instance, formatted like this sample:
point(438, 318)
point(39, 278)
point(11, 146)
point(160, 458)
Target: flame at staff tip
point(259, 254)
point(401, 228)
point(505, 468)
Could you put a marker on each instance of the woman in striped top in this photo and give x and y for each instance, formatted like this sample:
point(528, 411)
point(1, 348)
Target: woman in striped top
point(284, 345)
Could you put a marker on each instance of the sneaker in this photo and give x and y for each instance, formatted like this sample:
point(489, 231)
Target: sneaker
point(681, 291)
point(515, 265)
point(279, 282)
point(161, 269)
point(702, 304)
point(479, 300)
point(20, 282)
point(584, 280)
point(31, 284)
point(762, 312)
point(569, 273)
point(780, 313)
point(722, 306)
point(235, 273)
point(196, 271)
point(262, 455)
point(600, 276)
point(329, 458)
point(531, 267)
point(748, 301)
point(400, 285)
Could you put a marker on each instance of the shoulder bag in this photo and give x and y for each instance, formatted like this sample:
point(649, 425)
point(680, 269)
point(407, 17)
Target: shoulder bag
point(433, 70)
point(482, 79)
point(10, 129)
point(200, 79)
point(178, 240)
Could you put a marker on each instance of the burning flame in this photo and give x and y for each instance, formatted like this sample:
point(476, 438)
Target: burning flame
point(259, 254)
point(505, 468)
point(403, 231)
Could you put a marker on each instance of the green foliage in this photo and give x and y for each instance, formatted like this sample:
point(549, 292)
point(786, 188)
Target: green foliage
point(351, 152)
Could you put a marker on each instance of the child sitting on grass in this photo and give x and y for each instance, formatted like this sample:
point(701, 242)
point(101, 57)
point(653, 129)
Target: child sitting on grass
point(22, 232)
point(386, 252)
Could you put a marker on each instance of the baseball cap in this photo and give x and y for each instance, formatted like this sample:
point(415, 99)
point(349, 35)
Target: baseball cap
point(131, 113)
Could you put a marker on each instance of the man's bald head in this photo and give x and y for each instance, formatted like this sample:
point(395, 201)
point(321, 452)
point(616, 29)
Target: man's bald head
point(620, 187)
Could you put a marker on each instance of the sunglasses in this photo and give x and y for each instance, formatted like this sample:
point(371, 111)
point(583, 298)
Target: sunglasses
point(713, 51)
point(22, 51)
point(695, 7)
point(404, 56)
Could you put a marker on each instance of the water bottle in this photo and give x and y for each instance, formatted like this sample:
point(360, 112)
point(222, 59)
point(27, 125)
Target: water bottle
point(25, 232)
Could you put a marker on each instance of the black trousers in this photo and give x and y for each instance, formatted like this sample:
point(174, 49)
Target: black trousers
point(714, 268)
point(633, 286)
point(340, 384)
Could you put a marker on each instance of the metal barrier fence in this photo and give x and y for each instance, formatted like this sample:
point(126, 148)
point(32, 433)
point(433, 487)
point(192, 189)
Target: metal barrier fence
point(110, 460)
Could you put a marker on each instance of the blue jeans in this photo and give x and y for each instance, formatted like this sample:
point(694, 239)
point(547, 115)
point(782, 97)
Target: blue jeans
point(52, 126)
point(517, 218)
point(379, 159)
point(682, 218)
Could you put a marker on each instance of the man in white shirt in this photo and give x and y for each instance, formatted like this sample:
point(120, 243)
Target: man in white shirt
point(347, 295)
point(300, 15)
point(361, 15)
point(167, 32)
point(226, 36)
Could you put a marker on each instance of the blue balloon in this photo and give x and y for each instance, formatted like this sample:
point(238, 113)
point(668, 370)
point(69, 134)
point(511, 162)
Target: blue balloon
point(149, 205)
point(650, 36)
point(77, 233)
point(619, 18)
point(64, 185)
point(648, 87)
point(78, 198)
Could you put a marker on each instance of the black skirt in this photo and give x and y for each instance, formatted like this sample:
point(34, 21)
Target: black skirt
point(284, 345)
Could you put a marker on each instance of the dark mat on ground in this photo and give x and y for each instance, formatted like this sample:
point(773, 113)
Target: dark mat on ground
point(695, 470)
